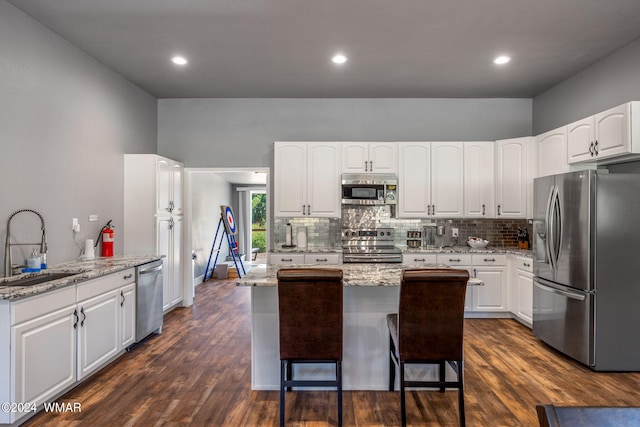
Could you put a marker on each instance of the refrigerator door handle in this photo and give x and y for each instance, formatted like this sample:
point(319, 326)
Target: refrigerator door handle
point(568, 294)
point(557, 220)
point(549, 229)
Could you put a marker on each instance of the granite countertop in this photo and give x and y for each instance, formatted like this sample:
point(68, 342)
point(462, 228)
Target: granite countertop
point(322, 249)
point(353, 274)
point(82, 270)
point(470, 250)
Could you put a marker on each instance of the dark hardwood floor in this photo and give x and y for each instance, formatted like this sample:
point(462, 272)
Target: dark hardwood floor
point(198, 373)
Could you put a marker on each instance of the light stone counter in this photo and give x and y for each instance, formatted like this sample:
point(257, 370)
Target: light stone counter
point(83, 270)
point(353, 274)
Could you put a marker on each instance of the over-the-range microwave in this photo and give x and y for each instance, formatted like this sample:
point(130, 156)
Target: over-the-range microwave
point(369, 189)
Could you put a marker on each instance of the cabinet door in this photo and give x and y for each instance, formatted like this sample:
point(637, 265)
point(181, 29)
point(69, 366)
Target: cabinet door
point(98, 332)
point(45, 356)
point(418, 259)
point(479, 179)
point(524, 298)
point(512, 172)
point(613, 132)
point(383, 157)
point(580, 137)
point(355, 157)
point(163, 241)
point(552, 152)
point(127, 315)
point(323, 179)
point(163, 185)
point(492, 296)
point(414, 179)
point(175, 261)
point(290, 178)
point(322, 258)
point(286, 258)
point(177, 172)
point(447, 179)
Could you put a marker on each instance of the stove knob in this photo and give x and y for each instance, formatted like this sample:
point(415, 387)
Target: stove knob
point(353, 234)
point(388, 233)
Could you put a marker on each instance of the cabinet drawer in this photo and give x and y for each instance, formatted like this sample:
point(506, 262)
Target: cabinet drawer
point(39, 305)
point(454, 259)
point(322, 258)
point(95, 287)
point(524, 263)
point(286, 258)
point(419, 258)
point(489, 259)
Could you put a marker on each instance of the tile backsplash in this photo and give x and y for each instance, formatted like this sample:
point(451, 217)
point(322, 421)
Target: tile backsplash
point(325, 232)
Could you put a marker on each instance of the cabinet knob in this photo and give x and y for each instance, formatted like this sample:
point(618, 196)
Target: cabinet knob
point(454, 260)
point(321, 260)
point(489, 260)
point(128, 276)
point(483, 210)
point(498, 209)
point(286, 260)
point(122, 300)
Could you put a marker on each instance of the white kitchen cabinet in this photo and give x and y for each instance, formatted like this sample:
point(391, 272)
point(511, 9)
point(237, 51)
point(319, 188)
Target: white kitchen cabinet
point(42, 349)
point(321, 258)
point(307, 179)
point(284, 258)
point(127, 316)
point(479, 189)
point(419, 259)
point(522, 285)
point(430, 179)
point(493, 296)
point(606, 135)
point(291, 258)
point(462, 261)
point(552, 152)
point(366, 157)
point(153, 217)
point(514, 182)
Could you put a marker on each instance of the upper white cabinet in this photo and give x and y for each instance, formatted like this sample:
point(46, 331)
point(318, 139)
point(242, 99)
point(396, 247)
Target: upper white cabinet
point(153, 209)
point(430, 180)
point(606, 135)
point(364, 157)
point(479, 191)
point(552, 152)
point(514, 183)
point(307, 179)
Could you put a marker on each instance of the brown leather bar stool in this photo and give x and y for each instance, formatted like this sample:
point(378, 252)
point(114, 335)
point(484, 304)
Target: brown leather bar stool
point(428, 329)
point(310, 321)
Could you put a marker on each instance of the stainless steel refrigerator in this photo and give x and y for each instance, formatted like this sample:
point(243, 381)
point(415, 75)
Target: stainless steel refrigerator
point(586, 244)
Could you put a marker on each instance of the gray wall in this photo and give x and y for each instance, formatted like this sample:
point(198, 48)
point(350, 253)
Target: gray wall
point(240, 132)
point(207, 192)
point(66, 122)
point(607, 83)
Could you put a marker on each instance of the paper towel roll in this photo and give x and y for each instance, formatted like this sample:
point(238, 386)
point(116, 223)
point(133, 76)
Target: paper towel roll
point(88, 249)
point(302, 237)
point(289, 235)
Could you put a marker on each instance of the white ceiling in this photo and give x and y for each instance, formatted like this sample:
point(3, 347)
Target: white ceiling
point(396, 48)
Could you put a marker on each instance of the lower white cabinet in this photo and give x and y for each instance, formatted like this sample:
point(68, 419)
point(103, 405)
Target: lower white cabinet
point(493, 295)
point(522, 285)
point(60, 337)
point(299, 258)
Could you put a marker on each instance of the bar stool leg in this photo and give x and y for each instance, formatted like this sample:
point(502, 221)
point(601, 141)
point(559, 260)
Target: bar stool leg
point(441, 377)
point(339, 380)
point(403, 408)
point(283, 368)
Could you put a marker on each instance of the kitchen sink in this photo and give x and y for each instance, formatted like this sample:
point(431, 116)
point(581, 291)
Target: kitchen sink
point(34, 280)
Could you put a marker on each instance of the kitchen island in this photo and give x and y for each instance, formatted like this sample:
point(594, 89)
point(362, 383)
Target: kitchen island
point(371, 291)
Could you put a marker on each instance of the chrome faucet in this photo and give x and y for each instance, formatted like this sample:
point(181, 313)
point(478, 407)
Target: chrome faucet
point(8, 264)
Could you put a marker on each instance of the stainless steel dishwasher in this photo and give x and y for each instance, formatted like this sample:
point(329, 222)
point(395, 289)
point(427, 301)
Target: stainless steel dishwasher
point(148, 299)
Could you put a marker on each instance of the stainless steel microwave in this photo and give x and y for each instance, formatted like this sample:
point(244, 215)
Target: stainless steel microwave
point(369, 189)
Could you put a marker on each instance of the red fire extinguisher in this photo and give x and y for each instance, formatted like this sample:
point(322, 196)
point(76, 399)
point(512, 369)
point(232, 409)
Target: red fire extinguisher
point(107, 240)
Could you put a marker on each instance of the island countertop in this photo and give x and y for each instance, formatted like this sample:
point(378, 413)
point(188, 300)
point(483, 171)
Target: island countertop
point(81, 270)
point(369, 274)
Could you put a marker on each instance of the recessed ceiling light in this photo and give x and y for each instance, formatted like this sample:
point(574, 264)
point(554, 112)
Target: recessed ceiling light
point(179, 60)
point(500, 60)
point(339, 59)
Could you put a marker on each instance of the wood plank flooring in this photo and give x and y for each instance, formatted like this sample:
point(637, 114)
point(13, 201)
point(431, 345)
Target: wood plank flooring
point(198, 373)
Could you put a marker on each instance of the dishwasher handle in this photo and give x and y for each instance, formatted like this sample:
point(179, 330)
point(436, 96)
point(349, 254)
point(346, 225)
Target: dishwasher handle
point(151, 270)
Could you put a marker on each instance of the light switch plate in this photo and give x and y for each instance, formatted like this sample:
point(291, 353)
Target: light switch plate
point(93, 218)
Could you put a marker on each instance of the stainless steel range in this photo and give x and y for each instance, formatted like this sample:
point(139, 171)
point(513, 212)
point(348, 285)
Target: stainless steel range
point(369, 245)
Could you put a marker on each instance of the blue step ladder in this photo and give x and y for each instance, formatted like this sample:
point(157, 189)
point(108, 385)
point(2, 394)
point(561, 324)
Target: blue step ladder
point(227, 223)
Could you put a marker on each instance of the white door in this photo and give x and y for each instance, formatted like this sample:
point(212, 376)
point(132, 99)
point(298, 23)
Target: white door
point(383, 157)
point(414, 180)
point(45, 356)
point(98, 332)
point(479, 179)
point(447, 179)
point(580, 139)
point(492, 296)
point(552, 152)
point(613, 131)
point(511, 178)
point(290, 178)
point(127, 315)
point(355, 157)
point(175, 260)
point(163, 185)
point(323, 179)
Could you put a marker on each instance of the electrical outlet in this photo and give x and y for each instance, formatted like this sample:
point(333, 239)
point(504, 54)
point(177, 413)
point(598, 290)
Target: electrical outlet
point(75, 226)
point(454, 232)
point(93, 218)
